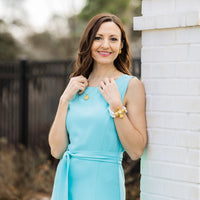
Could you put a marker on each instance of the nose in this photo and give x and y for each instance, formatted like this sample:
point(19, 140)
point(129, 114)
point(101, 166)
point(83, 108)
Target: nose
point(105, 43)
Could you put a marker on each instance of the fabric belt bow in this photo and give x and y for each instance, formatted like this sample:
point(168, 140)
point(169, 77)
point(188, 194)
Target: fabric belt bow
point(60, 189)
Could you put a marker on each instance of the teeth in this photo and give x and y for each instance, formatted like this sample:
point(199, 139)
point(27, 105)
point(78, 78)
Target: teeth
point(104, 53)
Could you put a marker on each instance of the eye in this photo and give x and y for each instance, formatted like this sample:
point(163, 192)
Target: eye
point(113, 39)
point(97, 38)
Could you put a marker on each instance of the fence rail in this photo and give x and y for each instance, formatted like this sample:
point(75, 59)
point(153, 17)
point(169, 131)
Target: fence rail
point(29, 94)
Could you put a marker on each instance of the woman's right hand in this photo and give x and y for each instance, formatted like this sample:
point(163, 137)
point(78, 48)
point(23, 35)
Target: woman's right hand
point(76, 84)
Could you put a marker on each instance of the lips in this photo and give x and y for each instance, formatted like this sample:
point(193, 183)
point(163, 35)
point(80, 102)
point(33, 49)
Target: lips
point(104, 53)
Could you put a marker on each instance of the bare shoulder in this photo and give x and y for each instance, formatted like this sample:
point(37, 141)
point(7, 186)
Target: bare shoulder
point(135, 91)
point(135, 82)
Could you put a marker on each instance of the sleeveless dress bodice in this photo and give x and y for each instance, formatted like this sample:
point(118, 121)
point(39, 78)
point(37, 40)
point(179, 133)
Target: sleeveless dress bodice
point(91, 169)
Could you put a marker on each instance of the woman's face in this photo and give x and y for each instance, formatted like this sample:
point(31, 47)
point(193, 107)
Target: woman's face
point(107, 43)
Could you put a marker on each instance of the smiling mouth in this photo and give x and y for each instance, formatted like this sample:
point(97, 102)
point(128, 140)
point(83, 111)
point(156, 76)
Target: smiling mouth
point(103, 53)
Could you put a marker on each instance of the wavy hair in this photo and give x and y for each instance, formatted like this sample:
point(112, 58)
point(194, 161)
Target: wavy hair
point(84, 61)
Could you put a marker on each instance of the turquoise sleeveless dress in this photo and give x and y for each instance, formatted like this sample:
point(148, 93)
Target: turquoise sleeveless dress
point(91, 169)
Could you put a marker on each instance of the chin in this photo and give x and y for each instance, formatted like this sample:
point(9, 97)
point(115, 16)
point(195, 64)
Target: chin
point(104, 62)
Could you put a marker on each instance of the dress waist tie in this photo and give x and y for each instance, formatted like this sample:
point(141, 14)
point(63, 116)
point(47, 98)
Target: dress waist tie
point(61, 178)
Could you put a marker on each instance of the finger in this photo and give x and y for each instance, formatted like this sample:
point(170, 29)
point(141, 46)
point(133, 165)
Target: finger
point(82, 89)
point(85, 82)
point(106, 81)
point(102, 85)
point(101, 90)
point(82, 80)
point(79, 81)
point(80, 92)
point(77, 85)
point(112, 81)
point(79, 78)
point(83, 86)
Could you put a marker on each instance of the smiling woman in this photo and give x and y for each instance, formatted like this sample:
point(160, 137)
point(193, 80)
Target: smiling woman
point(100, 115)
point(84, 62)
point(106, 44)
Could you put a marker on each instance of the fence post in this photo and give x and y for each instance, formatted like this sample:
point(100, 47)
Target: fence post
point(23, 103)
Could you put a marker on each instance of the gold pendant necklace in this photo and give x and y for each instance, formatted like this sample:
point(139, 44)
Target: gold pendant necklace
point(86, 97)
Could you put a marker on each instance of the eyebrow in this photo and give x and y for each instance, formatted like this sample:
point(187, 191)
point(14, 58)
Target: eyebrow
point(110, 35)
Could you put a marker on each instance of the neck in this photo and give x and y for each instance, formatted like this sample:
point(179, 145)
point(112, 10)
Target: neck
point(102, 71)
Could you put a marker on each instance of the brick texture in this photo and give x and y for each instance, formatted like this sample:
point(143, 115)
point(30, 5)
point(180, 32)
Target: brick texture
point(170, 165)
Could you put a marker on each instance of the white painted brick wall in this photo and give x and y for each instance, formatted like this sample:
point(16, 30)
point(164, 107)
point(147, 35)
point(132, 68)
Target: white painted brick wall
point(172, 86)
point(172, 154)
point(162, 7)
point(173, 104)
point(170, 53)
point(171, 171)
point(170, 165)
point(178, 189)
point(171, 36)
point(174, 138)
point(172, 70)
point(171, 20)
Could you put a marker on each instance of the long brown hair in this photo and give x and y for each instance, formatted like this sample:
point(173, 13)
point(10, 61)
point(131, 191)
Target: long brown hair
point(84, 61)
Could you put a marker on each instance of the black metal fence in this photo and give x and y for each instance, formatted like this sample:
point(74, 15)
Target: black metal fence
point(29, 95)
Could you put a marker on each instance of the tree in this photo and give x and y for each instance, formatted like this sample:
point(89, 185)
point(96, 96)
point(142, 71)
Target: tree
point(44, 45)
point(9, 49)
point(93, 7)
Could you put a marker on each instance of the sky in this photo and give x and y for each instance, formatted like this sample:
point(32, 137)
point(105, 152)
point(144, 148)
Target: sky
point(39, 11)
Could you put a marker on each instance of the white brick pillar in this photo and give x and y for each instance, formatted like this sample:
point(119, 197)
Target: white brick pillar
point(170, 166)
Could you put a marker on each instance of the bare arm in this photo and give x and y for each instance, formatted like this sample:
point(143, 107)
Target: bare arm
point(132, 128)
point(58, 137)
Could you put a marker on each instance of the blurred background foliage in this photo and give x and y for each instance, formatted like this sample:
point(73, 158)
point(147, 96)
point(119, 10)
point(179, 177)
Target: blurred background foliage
point(60, 38)
point(8, 47)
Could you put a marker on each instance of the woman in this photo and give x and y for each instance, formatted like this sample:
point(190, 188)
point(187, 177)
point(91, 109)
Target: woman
point(101, 114)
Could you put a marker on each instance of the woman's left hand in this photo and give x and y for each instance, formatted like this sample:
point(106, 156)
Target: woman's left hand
point(110, 92)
